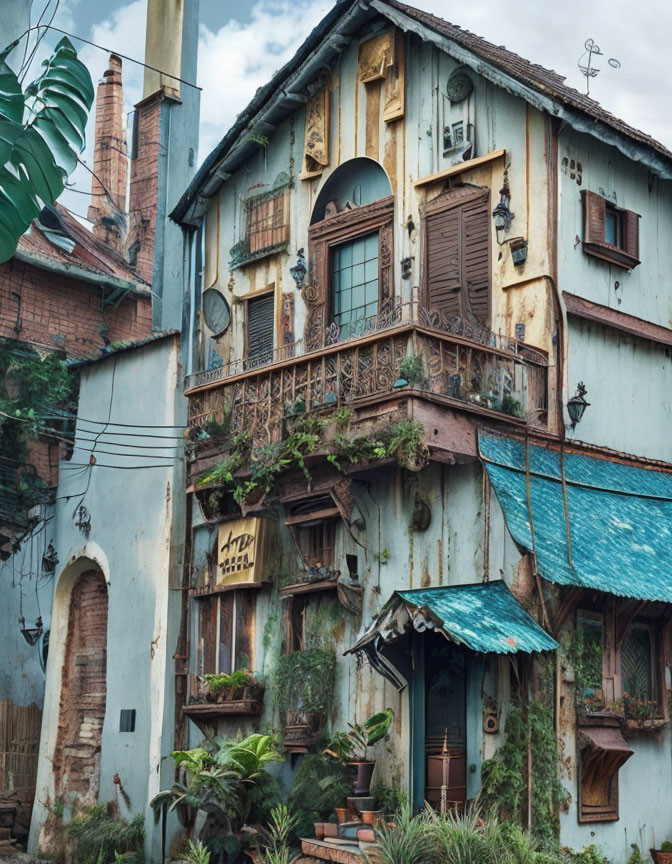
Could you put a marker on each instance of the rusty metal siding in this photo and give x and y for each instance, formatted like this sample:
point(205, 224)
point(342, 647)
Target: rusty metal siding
point(619, 517)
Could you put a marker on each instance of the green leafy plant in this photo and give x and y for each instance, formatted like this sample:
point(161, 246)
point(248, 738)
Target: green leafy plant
point(195, 853)
point(412, 369)
point(240, 684)
point(407, 841)
point(590, 855)
point(305, 681)
point(635, 855)
point(512, 406)
point(98, 834)
point(390, 799)
point(42, 133)
point(666, 846)
point(503, 783)
point(281, 825)
point(352, 746)
point(320, 786)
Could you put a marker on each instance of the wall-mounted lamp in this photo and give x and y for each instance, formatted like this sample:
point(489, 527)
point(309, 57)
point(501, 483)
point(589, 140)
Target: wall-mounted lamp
point(502, 213)
point(577, 404)
point(518, 247)
point(31, 634)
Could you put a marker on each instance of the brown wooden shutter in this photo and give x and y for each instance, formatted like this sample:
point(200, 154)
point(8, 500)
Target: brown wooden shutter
point(260, 319)
point(476, 233)
point(208, 634)
point(594, 217)
point(458, 259)
point(444, 261)
point(631, 234)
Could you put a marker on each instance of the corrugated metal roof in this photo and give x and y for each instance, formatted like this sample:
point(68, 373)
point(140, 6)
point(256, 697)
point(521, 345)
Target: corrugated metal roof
point(484, 617)
point(620, 517)
point(125, 345)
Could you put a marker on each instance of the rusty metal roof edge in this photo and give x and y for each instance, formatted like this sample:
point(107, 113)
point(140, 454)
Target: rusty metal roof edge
point(124, 347)
point(74, 272)
point(587, 124)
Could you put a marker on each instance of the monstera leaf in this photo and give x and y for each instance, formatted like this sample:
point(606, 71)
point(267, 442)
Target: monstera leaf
point(41, 134)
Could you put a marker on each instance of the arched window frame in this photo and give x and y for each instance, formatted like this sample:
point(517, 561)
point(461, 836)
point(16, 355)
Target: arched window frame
point(330, 232)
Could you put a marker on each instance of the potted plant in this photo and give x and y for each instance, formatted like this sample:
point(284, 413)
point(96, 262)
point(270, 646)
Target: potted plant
point(664, 854)
point(351, 747)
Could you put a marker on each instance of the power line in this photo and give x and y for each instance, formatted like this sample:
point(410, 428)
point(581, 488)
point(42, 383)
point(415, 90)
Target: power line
point(113, 51)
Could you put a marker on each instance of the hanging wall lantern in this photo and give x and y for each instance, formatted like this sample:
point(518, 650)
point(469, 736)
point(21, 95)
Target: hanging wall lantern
point(577, 404)
point(31, 634)
point(502, 213)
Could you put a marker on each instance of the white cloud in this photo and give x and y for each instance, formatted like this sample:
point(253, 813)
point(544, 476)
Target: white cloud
point(237, 59)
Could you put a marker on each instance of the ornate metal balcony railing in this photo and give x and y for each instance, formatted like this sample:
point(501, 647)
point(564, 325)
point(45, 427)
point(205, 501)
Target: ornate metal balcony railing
point(462, 362)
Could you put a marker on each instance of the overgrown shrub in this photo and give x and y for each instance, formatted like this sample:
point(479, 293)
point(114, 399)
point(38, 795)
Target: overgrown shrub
point(320, 785)
point(99, 835)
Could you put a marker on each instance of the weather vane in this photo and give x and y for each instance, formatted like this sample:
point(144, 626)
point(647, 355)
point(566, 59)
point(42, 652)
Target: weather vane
point(586, 66)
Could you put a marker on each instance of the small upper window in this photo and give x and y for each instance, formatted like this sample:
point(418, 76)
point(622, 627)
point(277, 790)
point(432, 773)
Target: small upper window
point(637, 663)
point(610, 233)
point(260, 323)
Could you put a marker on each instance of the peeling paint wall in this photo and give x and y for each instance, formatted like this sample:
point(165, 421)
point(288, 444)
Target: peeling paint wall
point(135, 540)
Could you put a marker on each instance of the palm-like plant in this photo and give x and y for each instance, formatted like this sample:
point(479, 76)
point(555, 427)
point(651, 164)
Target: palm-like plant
point(41, 135)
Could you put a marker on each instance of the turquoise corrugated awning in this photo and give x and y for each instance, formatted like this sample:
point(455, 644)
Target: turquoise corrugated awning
point(485, 617)
point(620, 517)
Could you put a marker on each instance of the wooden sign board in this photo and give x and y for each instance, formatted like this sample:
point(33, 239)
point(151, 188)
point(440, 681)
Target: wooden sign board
point(241, 550)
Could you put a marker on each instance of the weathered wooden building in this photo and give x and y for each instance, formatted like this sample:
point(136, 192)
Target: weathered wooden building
point(419, 247)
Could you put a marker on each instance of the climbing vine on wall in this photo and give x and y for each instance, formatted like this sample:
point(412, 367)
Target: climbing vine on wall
point(31, 388)
point(505, 777)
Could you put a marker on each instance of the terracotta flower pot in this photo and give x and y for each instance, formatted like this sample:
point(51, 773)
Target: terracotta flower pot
point(364, 775)
point(371, 817)
point(341, 814)
point(660, 857)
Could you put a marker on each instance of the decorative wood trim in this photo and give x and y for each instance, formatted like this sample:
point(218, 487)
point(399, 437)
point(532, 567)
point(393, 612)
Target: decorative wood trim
point(330, 232)
point(209, 590)
point(460, 168)
point(582, 308)
point(314, 516)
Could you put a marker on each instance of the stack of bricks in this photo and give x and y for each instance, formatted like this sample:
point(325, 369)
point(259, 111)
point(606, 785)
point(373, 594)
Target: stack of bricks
point(83, 691)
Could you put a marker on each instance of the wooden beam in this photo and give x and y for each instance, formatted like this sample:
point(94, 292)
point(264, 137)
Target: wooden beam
point(582, 308)
point(460, 167)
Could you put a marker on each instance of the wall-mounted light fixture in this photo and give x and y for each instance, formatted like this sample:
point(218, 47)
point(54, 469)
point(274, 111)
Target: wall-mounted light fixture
point(31, 634)
point(577, 404)
point(518, 247)
point(502, 213)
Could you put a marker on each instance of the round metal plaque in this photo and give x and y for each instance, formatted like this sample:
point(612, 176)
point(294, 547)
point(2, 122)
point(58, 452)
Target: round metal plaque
point(216, 311)
point(460, 85)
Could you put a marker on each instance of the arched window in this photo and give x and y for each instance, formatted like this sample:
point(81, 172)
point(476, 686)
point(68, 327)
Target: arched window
point(350, 251)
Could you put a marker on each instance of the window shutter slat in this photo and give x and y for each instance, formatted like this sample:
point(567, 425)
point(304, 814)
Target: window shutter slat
point(594, 217)
point(632, 234)
point(260, 319)
point(458, 260)
point(444, 262)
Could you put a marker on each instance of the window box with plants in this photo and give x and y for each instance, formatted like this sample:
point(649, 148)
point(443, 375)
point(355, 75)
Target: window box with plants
point(351, 747)
point(240, 693)
point(634, 715)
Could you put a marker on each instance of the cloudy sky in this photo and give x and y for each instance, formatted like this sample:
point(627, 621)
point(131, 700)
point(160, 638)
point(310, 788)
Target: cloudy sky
point(242, 42)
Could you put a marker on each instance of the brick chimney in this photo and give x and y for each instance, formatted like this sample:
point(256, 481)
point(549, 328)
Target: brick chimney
point(110, 160)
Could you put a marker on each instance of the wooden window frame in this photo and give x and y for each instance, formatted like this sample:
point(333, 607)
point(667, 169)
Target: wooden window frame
point(333, 231)
point(251, 298)
point(277, 236)
point(215, 600)
point(452, 197)
point(626, 253)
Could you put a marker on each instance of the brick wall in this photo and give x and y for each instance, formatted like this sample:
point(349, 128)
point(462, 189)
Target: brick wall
point(65, 313)
point(144, 185)
point(76, 760)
